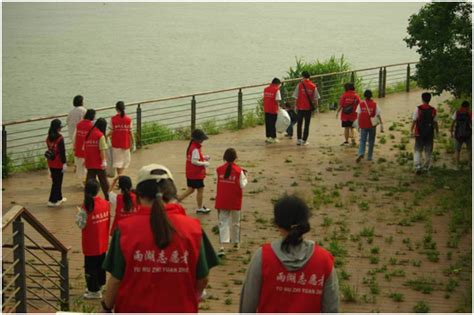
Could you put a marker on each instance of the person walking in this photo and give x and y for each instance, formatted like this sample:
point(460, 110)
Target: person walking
point(56, 158)
point(82, 129)
point(93, 219)
point(423, 129)
point(347, 107)
point(307, 97)
point(368, 117)
point(95, 147)
point(461, 129)
point(122, 138)
point(75, 115)
point(231, 180)
point(158, 260)
point(293, 117)
point(196, 164)
point(271, 99)
point(290, 275)
point(124, 203)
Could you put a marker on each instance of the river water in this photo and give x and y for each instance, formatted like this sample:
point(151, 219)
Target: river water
point(136, 51)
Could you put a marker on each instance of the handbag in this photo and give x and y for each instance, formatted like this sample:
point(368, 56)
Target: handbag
point(373, 120)
point(50, 154)
point(348, 109)
point(311, 104)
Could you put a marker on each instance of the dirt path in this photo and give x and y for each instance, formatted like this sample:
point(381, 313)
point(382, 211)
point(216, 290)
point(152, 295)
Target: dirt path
point(348, 200)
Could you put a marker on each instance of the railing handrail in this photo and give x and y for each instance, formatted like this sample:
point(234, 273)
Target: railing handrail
point(20, 211)
point(16, 122)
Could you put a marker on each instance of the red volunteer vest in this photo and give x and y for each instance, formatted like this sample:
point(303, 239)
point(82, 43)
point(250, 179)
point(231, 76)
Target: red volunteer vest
point(174, 208)
point(121, 127)
point(82, 128)
point(56, 163)
point(229, 193)
point(120, 213)
point(92, 158)
point(270, 105)
point(297, 291)
point(349, 98)
point(364, 116)
point(159, 280)
point(95, 236)
point(194, 171)
point(423, 106)
point(302, 102)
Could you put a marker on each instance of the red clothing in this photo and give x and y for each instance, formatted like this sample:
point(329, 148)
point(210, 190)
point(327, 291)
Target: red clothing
point(174, 208)
point(419, 109)
point(57, 162)
point(270, 105)
point(82, 128)
point(92, 159)
point(120, 213)
point(298, 291)
point(95, 236)
point(229, 192)
point(349, 98)
point(159, 280)
point(463, 110)
point(121, 127)
point(364, 115)
point(194, 171)
point(302, 102)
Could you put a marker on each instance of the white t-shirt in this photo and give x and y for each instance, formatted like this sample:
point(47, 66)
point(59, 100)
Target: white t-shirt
point(74, 116)
point(278, 96)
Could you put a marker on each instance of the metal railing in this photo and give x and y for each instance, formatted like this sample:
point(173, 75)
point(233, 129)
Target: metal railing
point(24, 140)
point(34, 276)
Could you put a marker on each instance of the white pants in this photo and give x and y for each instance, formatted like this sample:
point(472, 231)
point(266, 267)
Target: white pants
point(81, 171)
point(229, 226)
point(121, 157)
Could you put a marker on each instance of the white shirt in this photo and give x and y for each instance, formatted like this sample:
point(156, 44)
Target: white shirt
point(278, 95)
point(195, 159)
point(74, 116)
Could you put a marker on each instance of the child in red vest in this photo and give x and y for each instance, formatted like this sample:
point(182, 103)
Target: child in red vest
point(281, 268)
point(122, 138)
point(231, 180)
point(196, 164)
point(125, 203)
point(348, 106)
point(93, 219)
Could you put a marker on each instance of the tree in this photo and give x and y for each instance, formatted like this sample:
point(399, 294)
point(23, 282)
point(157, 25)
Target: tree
point(441, 33)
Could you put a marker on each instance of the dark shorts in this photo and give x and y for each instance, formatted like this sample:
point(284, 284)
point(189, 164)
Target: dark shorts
point(195, 183)
point(459, 142)
point(347, 123)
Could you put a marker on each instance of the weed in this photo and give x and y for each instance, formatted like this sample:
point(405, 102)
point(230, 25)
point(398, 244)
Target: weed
point(397, 297)
point(375, 250)
point(326, 222)
point(421, 307)
point(349, 293)
point(422, 284)
point(363, 205)
point(389, 240)
point(451, 285)
point(367, 232)
point(228, 301)
point(215, 230)
point(374, 260)
point(294, 184)
point(210, 127)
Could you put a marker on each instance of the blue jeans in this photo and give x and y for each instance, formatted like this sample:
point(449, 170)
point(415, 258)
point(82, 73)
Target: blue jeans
point(364, 133)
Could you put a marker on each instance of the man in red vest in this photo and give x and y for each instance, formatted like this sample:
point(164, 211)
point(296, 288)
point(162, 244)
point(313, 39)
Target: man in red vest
point(307, 96)
point(271, 98)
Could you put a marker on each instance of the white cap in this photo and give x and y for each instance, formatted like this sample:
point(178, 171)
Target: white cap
point(154, 171)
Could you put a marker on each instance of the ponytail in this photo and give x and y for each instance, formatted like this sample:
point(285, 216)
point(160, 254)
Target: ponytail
point(295, 236)
point(227, 170)
point(125, 185)
point(88, 202)
point(230, 155)
point(120, 106)
point(90, 191)
point(160, 225)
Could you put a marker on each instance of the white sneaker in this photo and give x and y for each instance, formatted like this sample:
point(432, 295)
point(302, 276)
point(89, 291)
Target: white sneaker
point(203, 295)
point(221, 252)
point(304, 142)
point(268, 140)
point(275, 140)
point(299, 142)
point(203, 210)
point(62, 200)
point(53, 204)
point(92, 295)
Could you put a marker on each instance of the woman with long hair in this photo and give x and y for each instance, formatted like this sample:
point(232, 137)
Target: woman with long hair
point(122, 138)
point(367, 110)
point(124, 203)
point(56, 162)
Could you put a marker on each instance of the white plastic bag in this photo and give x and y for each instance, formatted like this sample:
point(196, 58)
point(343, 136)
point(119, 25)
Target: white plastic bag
point(283, 120)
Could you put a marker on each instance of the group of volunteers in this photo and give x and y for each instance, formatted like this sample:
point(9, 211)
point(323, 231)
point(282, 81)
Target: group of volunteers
point(364, 116)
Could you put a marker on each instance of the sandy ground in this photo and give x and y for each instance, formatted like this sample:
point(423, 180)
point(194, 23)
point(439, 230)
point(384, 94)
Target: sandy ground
point(285, 167)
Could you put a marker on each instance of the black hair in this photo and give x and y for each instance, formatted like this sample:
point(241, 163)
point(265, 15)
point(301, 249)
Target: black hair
point(90, 114)
point(120, 106)
point(168, 190)
point(465, 104)
point(349, 86)
point(125, 185)
point(90, 191)
point(426, 97)
point(78, 101)
point(305, 74)
point(276, 81)
point(160, 225)
point(53, 131)
point(230, 155)
point(368, 94)
point(100, 124)
point(292, 214)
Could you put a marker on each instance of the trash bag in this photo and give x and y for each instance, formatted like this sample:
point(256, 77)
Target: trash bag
point(283, 120)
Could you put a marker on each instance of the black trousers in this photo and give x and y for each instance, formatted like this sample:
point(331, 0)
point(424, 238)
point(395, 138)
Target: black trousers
point(270, 121)
point(57, 177)
point(306, 116)
point(95, 275)
point(102, 176)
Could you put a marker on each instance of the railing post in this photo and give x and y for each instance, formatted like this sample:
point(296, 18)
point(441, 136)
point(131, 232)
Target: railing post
point(408, 78)
point(193, 113)
point(4, 143)
point(353, 77)
point(139, 127)
point(64, 272)
point(384, 80)
point(240, 110)
point(380, 82)
point(19, 269)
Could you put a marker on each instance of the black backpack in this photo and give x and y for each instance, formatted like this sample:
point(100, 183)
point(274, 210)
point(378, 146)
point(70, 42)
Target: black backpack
point(425, 123)
point(463, 129)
